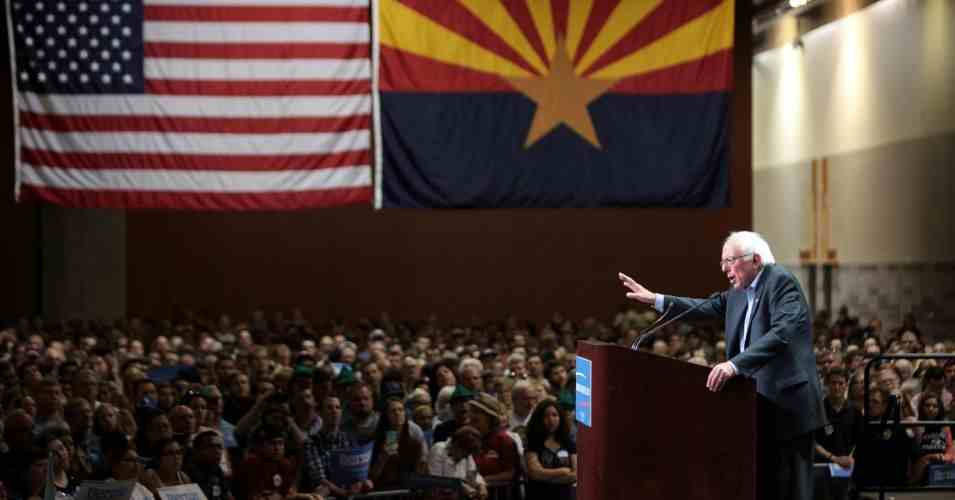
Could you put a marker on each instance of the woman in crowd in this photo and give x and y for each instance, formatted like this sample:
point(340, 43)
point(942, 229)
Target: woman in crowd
point(857, 389)
point(551, 454)
point(933, 443)
point(166, 468)
point(882, 454)
point(63, 480)
point(455, 458)
point(441, 375)
point(105, 419)
point(122, 463)
point(397, 452)
point(240, 399)
point(154, 427)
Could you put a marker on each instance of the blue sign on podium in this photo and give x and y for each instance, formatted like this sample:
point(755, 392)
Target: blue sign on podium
point(583, 376)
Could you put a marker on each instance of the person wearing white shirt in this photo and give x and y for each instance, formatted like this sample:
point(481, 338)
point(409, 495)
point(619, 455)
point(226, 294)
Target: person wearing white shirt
point(454, 459)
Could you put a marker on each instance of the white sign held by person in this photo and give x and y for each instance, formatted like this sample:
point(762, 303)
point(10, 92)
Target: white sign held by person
point(182, 492)
point(105, 490)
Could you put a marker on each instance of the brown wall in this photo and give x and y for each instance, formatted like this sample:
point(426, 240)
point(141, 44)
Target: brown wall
point(357, 262)
point(353, 262)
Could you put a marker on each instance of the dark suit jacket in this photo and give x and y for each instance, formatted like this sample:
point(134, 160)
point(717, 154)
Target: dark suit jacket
point(779, 355)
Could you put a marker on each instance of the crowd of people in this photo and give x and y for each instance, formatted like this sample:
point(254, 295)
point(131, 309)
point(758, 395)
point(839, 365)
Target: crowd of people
point(273, 408)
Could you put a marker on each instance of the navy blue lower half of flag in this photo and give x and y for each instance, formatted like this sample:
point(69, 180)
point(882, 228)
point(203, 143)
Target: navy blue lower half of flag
point(468, 150)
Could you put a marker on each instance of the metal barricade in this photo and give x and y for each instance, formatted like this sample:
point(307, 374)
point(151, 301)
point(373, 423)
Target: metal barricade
point(389, 495)
point(887, 421)
point(497, 490)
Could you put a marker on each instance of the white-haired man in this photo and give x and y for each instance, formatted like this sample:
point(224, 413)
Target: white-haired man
point(769, 339)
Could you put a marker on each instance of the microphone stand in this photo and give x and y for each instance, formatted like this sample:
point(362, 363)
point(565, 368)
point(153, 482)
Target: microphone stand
point(654, 328)
point(635, 345)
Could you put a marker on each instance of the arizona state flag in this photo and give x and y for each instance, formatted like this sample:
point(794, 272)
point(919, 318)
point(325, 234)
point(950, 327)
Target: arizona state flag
point(555, 103)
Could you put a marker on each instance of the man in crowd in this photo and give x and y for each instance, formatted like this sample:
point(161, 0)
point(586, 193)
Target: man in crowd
point(204, 468)
point(535, 374)
point(835, 443)
point(323, 448)
point(362, 419)
point(459, 409)
point(49, 403)
point(525, 396)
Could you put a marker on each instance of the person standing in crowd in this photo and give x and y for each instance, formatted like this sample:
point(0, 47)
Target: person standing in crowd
point(933, 443)
point(204, 466)
point(836, 442)
point(459, 409)
point(397, 451)
point(525, 396)
point(18, 436)
point(122, 463)
point(454, 458)
point(883, 452)
point(535, 374)
point(166, 469)
point(323, 448)
point(551, 454)
point(64, 482)
point(498, 459)
point(557, 376)
point(769, 339)
point(266, 471)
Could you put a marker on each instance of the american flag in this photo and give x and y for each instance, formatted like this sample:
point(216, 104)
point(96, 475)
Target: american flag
point(193, 104)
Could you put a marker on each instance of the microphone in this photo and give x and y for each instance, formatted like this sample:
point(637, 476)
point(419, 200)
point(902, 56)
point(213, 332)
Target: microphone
point(635, 345)
point(654, 327)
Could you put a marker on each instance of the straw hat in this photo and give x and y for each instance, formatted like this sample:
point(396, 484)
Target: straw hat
point(488, 404)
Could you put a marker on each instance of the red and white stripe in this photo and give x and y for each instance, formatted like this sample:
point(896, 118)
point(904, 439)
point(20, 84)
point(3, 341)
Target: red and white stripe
point(249, 105)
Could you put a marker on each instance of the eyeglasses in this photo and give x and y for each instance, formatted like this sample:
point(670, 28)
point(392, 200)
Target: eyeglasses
point(730, 260)
point(173, 453)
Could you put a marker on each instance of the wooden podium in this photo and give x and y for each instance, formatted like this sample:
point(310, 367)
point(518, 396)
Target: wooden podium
point(657, 433)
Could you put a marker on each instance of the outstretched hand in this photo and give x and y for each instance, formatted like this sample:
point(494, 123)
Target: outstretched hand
point(637, 291)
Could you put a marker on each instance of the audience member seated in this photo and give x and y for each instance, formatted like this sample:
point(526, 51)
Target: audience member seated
point(551, 454)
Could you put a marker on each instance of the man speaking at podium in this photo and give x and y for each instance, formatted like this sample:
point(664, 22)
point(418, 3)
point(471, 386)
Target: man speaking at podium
point(769, 339)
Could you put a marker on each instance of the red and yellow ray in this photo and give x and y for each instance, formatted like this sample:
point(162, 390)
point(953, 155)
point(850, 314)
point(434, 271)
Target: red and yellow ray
point(606, 39)
point(561, 54)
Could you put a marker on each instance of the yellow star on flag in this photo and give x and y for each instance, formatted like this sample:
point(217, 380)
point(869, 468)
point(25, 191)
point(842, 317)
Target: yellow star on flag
point(562, 98)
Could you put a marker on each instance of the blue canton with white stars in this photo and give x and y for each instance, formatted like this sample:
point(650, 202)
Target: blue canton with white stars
point(79, 46)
